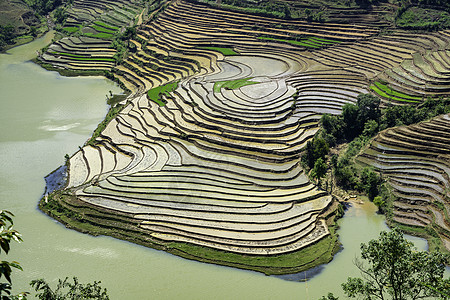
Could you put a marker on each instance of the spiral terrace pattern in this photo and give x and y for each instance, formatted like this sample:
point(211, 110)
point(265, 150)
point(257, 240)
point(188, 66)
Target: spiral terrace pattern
point(218, 169)
point(218, 165)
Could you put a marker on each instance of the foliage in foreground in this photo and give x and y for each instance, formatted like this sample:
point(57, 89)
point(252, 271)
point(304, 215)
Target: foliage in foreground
point(67, 290)
point(7, 234)
point(391, 268)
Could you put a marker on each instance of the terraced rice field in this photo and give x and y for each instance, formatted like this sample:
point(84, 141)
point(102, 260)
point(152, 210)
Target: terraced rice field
point(416, 161)
point(92, 26)
point(217, 169)
point(80, 53)
point(212, 163)
point(108, 14)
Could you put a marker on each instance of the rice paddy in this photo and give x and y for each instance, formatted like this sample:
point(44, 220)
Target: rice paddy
point(203, 161)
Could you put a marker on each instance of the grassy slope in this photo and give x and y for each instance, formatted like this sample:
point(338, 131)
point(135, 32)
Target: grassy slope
point(156, 93)
point(232, 84)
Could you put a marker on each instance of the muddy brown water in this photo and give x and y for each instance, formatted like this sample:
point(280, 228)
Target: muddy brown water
point(46, 116)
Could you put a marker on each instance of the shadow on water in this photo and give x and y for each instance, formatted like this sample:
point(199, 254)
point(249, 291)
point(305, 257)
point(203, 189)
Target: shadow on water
point(302, 276)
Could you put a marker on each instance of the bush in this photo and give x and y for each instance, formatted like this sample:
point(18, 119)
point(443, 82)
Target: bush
point(315, 149)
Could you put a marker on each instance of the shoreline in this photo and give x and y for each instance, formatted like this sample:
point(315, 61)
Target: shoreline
point(81, 218)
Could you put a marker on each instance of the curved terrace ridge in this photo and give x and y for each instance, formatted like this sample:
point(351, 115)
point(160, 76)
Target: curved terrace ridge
point(203, 159)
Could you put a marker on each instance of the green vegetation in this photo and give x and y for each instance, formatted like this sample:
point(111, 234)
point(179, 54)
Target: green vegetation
point(385, 91)
point(224, 51)
point(352, 122)
point(43, 7)
point(317, 148)
point(315, 12)
point(6, 36)
point(68, 290)
point(114, 28)
point(74, 73)
point(155, 94)
point(269, 9)
point(80, 57)
point(365, 118)
point(7, 235)
point(320, 169)
point(71, 29)
point(318, 40)
point(100, 35)
point(102, 29)
point(232, 84)
point(391, 268)
point(407, 115)
point(60, 15)
point(319, 253)
point(420, 18)
point(64, 290)
point(355, 126)
point(121, 43)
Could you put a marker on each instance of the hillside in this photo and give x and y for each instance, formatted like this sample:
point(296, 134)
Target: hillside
point(203, 157)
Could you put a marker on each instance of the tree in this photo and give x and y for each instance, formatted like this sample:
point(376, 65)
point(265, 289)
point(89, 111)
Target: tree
point(369, 108)
point(370, 128)
point(7, 234)
point(380, 203)
point(330, 296)
point(350, 116)
point(395, 270)
point(66, 290)
point(320, 169)
point(315, 149)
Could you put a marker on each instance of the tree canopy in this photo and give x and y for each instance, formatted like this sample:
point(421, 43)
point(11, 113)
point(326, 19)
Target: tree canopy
point(392, 268)
point(66, 290)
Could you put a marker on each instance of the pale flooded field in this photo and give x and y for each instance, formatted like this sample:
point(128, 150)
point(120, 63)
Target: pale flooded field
point(46, 116)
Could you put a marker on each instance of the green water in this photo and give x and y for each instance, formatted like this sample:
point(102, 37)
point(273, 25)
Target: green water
point(45, 116)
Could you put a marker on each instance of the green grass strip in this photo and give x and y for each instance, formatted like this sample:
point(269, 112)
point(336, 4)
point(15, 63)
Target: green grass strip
point(24, 37)
point(102, 29)
point(392, 92)
point(156, 93)
point(71, 29)
point(80, 57)
point(385, 95)
point(232, 84)
point(101, 35)
point(224, 51)
point(324, 41)
point(106, 25)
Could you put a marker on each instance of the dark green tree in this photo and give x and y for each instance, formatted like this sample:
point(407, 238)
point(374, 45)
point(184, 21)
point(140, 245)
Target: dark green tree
point(368, 109)
point(315, 149)
point(320, 169)
point(391, 268)
point(350, 118)
point(380, 203)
